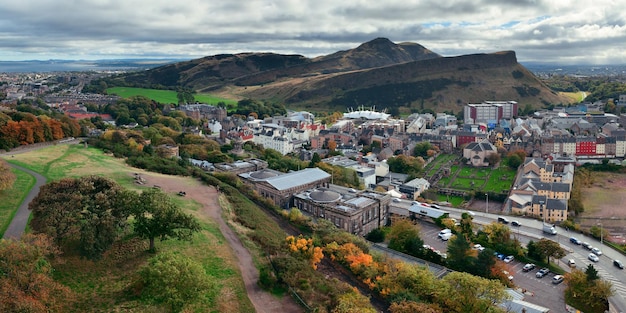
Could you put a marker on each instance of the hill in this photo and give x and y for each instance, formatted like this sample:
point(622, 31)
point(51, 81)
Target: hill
point(402, 77)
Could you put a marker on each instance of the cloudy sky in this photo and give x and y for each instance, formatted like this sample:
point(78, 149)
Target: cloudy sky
point(556, 31)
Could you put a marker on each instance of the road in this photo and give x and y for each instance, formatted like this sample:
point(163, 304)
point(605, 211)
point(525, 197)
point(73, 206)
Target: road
point(18, 223)
point(531, 229)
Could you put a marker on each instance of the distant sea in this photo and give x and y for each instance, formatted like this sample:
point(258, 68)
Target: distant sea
point(37, 66)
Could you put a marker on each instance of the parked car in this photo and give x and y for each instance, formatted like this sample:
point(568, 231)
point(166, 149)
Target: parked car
point(587, 246)
point(508, 259)
point(516, 223)
point(596, 251)
point(443, 232)
point(508, 275)
point(478, 247)
point(593, 257)
point(557, 279)
point(619, 264)
point(446, 236)
point(575, 240)
point(542, 272)
point(528, 267)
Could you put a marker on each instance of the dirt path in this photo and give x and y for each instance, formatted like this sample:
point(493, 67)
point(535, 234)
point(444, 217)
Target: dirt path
point(263, 302)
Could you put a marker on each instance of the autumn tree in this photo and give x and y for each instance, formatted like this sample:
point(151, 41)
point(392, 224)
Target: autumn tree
point(411, 307)
point(7, 178)
point(26, 283)
point(463, 292)
point(157, 216)
point(353, 302)
point(591, 291)
point(174, 280)
point(547, 248)
point(90, 210)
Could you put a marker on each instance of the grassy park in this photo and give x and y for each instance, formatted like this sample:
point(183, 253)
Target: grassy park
point(164, 96)
point(467, 178)
point(101, 286)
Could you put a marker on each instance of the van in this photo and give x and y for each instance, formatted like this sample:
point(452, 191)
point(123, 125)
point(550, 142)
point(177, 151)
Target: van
point(503, 220)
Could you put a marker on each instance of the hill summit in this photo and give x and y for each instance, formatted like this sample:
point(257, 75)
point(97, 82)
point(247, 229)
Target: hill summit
point(405, 77)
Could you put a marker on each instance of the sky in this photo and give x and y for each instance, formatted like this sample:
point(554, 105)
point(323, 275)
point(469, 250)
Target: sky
point(550, 31)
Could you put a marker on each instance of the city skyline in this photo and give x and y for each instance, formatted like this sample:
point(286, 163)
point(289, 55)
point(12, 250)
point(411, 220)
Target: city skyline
point(564, 32)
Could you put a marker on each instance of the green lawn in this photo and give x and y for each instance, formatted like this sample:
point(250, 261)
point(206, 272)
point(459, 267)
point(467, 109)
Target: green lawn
point(10, 199)
point(164, 96)
point(500, 180)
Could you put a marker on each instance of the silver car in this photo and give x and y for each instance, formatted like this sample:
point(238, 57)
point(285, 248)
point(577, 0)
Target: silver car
point(596, 251)
point(593, 257)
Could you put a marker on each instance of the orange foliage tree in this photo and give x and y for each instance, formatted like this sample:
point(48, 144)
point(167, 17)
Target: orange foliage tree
point(305, 247)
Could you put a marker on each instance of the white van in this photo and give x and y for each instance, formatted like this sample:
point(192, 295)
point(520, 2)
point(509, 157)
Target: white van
point(445, 236)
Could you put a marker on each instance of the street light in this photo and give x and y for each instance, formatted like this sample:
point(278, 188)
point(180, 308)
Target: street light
point(487, 206)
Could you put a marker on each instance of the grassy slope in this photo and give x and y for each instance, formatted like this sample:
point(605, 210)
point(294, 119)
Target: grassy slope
point(164, 96)
point(102, 286)
point(10, 199)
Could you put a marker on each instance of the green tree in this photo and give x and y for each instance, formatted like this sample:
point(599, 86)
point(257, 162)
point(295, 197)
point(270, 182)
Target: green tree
point(404, 237)
point(315, 159)
point(547, 248)
point(91, 210)
point(459, 257)
point(174, 280)
point(466, 293)
point(591, 273)
point(156, 216)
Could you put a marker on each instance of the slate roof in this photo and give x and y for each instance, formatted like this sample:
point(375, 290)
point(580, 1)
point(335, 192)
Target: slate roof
point(298, 178)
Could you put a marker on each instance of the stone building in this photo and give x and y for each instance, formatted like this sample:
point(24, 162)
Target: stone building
point(355, 211)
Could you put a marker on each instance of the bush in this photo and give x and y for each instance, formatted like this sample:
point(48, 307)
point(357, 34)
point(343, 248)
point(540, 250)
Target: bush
point(376, 235)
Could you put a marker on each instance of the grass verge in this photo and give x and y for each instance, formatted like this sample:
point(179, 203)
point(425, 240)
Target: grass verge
point(12, 198)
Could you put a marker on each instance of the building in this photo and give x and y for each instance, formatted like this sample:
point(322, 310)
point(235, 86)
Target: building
point(280, 187)
point(355, 211)
point(489, 112)
point(241, 166)
point(477, 153)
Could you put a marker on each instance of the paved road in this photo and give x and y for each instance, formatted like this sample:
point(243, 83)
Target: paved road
point(18, 224)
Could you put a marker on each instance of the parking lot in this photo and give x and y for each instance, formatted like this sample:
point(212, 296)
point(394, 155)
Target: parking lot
point(540, 291)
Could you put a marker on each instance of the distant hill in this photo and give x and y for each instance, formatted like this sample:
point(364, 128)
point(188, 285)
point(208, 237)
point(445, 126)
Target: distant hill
point(400, 77)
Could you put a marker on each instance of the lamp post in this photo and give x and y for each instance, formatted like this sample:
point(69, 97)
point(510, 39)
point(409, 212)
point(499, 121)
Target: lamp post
point(487, 206)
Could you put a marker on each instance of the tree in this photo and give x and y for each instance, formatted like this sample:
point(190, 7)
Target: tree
point(91, 210)
point(26, 283)
point(412, 307)
point(591, 273)
point(7, 178)
point(459, 257)
point(493, 159)
point(547, 248)
point(404, 237)
point(463, 292)
point(173, 279)
point(156, 216)
point(353, 302)
point(315, 159)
